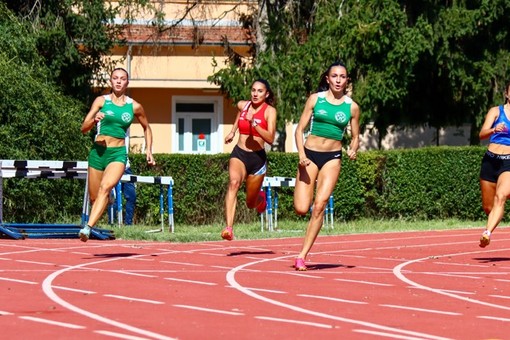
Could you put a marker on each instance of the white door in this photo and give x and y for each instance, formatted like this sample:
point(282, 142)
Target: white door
point(196, 124)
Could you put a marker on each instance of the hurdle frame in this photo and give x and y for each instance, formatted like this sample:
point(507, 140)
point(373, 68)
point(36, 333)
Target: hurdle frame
point(270, 185)
point(50, 169)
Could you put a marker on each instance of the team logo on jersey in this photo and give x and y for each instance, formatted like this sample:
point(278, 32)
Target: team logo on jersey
point(322, 112)
point(340, 117)
point(109, 113)
point(126, 117)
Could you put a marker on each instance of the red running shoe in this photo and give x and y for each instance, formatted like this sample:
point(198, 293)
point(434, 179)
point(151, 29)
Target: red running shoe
point(227, 234)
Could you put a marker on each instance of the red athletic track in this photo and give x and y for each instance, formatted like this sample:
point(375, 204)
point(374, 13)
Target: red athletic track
point(407, 285)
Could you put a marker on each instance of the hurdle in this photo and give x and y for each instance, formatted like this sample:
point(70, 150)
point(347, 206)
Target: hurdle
point(69, 170)
point(270, 215)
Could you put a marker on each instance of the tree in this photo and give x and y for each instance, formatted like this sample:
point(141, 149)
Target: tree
point(411, 62)
point(75, 37)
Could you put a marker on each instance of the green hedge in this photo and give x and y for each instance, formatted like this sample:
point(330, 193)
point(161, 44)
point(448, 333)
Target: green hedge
point(425, 183)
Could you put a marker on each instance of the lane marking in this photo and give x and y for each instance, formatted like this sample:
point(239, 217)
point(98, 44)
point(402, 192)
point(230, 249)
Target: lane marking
point(306, 323)
point(119, 335)
point(421, 309)
point(333, 299)
point(191, 281)
point(127, 272)
point(35, 262)
point(397, 271)
point(493, 318)
point(121, 297)
point(51, 322)
point(230, 277)
point(219, 311)
point(74, 290)
point(5, 313)
point(387, 335)
point(50, 293)
point(366, 282)
point(18, 281)
point(183, 263)
point(264, 290)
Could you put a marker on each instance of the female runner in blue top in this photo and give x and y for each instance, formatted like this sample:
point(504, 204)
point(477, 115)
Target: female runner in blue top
point(495, 169)
point(113, 115)
point(327, 112)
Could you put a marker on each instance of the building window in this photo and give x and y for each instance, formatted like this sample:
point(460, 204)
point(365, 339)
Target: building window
point(198, 124)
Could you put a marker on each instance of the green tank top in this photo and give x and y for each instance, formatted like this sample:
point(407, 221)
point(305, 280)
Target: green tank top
point(329, 120)
point(117, 119)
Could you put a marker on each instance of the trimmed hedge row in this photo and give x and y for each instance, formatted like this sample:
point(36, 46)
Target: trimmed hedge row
point(425, 183)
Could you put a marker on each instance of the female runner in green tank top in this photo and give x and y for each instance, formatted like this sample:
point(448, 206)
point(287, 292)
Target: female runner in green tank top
point(113, 115)
point(327, 112)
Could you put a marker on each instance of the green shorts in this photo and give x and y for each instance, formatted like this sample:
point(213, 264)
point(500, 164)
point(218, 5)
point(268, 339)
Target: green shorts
point(100, 156)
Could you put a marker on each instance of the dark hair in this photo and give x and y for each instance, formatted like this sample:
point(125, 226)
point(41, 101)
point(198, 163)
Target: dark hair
point(507, 88)
point(323, 83)
point(270, 99)
point(120, 69)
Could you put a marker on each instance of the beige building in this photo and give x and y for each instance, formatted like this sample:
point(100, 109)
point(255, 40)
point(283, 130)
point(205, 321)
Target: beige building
point(168, 74)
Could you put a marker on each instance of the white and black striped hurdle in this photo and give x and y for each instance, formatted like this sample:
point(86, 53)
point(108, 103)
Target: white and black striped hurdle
point(271, 213)
point(78, 170)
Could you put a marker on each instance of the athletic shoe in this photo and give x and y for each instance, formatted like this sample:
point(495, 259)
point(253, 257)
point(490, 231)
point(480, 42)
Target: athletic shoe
point(262, 205)
point(227, 234)
point(84, 233)
point(485, 239)
point(300, 265)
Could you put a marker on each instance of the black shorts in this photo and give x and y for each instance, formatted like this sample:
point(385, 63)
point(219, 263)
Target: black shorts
point(254, 161)
point(494, 165)
point(320, 158)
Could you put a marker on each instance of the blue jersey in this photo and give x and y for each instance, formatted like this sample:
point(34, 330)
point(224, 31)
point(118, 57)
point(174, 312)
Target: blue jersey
point(502, 137)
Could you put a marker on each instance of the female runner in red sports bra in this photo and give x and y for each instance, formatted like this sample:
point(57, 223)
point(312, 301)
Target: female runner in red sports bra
point(256, 122)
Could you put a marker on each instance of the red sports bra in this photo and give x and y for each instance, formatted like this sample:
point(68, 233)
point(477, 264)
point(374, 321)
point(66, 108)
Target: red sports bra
point(259, 117)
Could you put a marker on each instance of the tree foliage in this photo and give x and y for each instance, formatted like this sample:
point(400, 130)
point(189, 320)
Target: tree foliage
point(75, 37)
point(411, 62)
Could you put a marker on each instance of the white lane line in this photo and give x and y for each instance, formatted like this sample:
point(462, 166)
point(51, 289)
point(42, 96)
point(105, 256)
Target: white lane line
point(119, 335)
point(264, 290)
point(451, 275)
point(183, 263)
point(47, 287)
point(306, 323)
point(461, 264)
point(18, 281)
point(51, 322)
point(493, 318)
point(121, 297)
point(397, 271)
point(213, 254)
point(333, 299)
point(501, 296)
point(420, 309)
point(131, 273)
point(366, 282)
point(502, 280)
point(294, 273)
point(74, 290)
point(192, 281)
point(230, 277)
point(5, 313)
point(210, 310)
point(35, 262)
point(387, 335)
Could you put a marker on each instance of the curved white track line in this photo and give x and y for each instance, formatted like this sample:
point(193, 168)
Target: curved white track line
point(48, 290)
point(397, 271)
point(232, 281)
